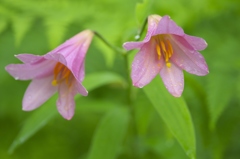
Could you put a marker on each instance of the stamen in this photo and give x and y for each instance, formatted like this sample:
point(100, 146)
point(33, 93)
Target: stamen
point(164, 48)
point(61, 73)
point(158, 51)
point(170, 49)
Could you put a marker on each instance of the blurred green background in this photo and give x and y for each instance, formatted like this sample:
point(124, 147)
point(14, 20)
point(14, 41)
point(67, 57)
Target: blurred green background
point(102, 121)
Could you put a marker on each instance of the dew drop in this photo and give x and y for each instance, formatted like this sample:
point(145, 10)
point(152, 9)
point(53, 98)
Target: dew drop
point(16, 78)
point(137, 37)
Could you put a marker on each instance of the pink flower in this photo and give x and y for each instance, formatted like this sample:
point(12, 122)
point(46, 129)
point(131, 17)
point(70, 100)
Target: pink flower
point(166, 50)
point(62, 70)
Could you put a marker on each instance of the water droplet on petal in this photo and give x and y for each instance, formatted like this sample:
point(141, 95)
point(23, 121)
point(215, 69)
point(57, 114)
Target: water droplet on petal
point(16, 78)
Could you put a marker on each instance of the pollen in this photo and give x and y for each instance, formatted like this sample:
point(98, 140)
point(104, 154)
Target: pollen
point(164, 48)
point(61, 74)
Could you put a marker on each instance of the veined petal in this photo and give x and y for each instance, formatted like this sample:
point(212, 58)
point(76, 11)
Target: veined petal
point(196, 42)
point(28, 58)
point(38, 92)
point(168, 26)
point(72, 53)
point(173, 79)
point(28, 71)
point(56, 57)
point(65, 102)
point(189, 60)
point(146, 65)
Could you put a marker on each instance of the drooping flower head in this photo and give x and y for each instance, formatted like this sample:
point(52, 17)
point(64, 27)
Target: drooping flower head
point(61, 70)
point(166, 50)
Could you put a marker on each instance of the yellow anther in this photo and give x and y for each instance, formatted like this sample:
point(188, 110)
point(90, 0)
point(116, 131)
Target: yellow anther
point(61, 73)
point(54, 82)
point(168, 64)
point(158, 51)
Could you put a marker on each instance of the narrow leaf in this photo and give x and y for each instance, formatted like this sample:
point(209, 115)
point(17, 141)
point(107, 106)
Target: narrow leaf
point(109, 134)
point(21, 25)
point(3, 24)
point(35, 122)
point(217, 85)
point(175, 114)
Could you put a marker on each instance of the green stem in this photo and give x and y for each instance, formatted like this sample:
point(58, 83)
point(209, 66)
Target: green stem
point(137, 37)
point(114, 48)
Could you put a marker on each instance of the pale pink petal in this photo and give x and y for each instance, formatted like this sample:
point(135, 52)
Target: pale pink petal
point(72, 53)
point(152, 25)
point(81, 89)
point(27, 71)
point(173, 79)
point(133, 45)
point(146, 65)
point(65, 102)
point(56, 57)
point(28, 58)
point(168, 26)
point(196, 42)
point(189, 60)
point(39, 91)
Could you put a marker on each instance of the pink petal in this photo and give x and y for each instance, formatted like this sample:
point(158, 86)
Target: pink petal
point(145, 65)
point(28, 58)
point(168, 26)
point(152, 25)
point(196, 42)
point(189, 60)
point(56, 57)
point(72, 53)
point(173, 79)
point(27, 71)
point(81, 89)
point(39, 91)
point(65, 102)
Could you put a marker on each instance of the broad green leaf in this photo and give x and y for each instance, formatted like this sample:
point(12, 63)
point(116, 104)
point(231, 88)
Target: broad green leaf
point(142, 10)
point(21, 25)
point(109, 135)
point(47, 111)
point(217, 85)
point(175, 114)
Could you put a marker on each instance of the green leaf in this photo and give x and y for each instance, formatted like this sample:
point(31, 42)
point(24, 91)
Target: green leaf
point(47, 111)
point(218, 85)
point(35, 122)
point(109, 134)
point(95, 80)
point(142, 10)
point(3, 24)
point(57, 26)
point(175, 114)
point(21, 25)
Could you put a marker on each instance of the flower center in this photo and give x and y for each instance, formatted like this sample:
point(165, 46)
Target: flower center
point(164, 49)
point(62, 73)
